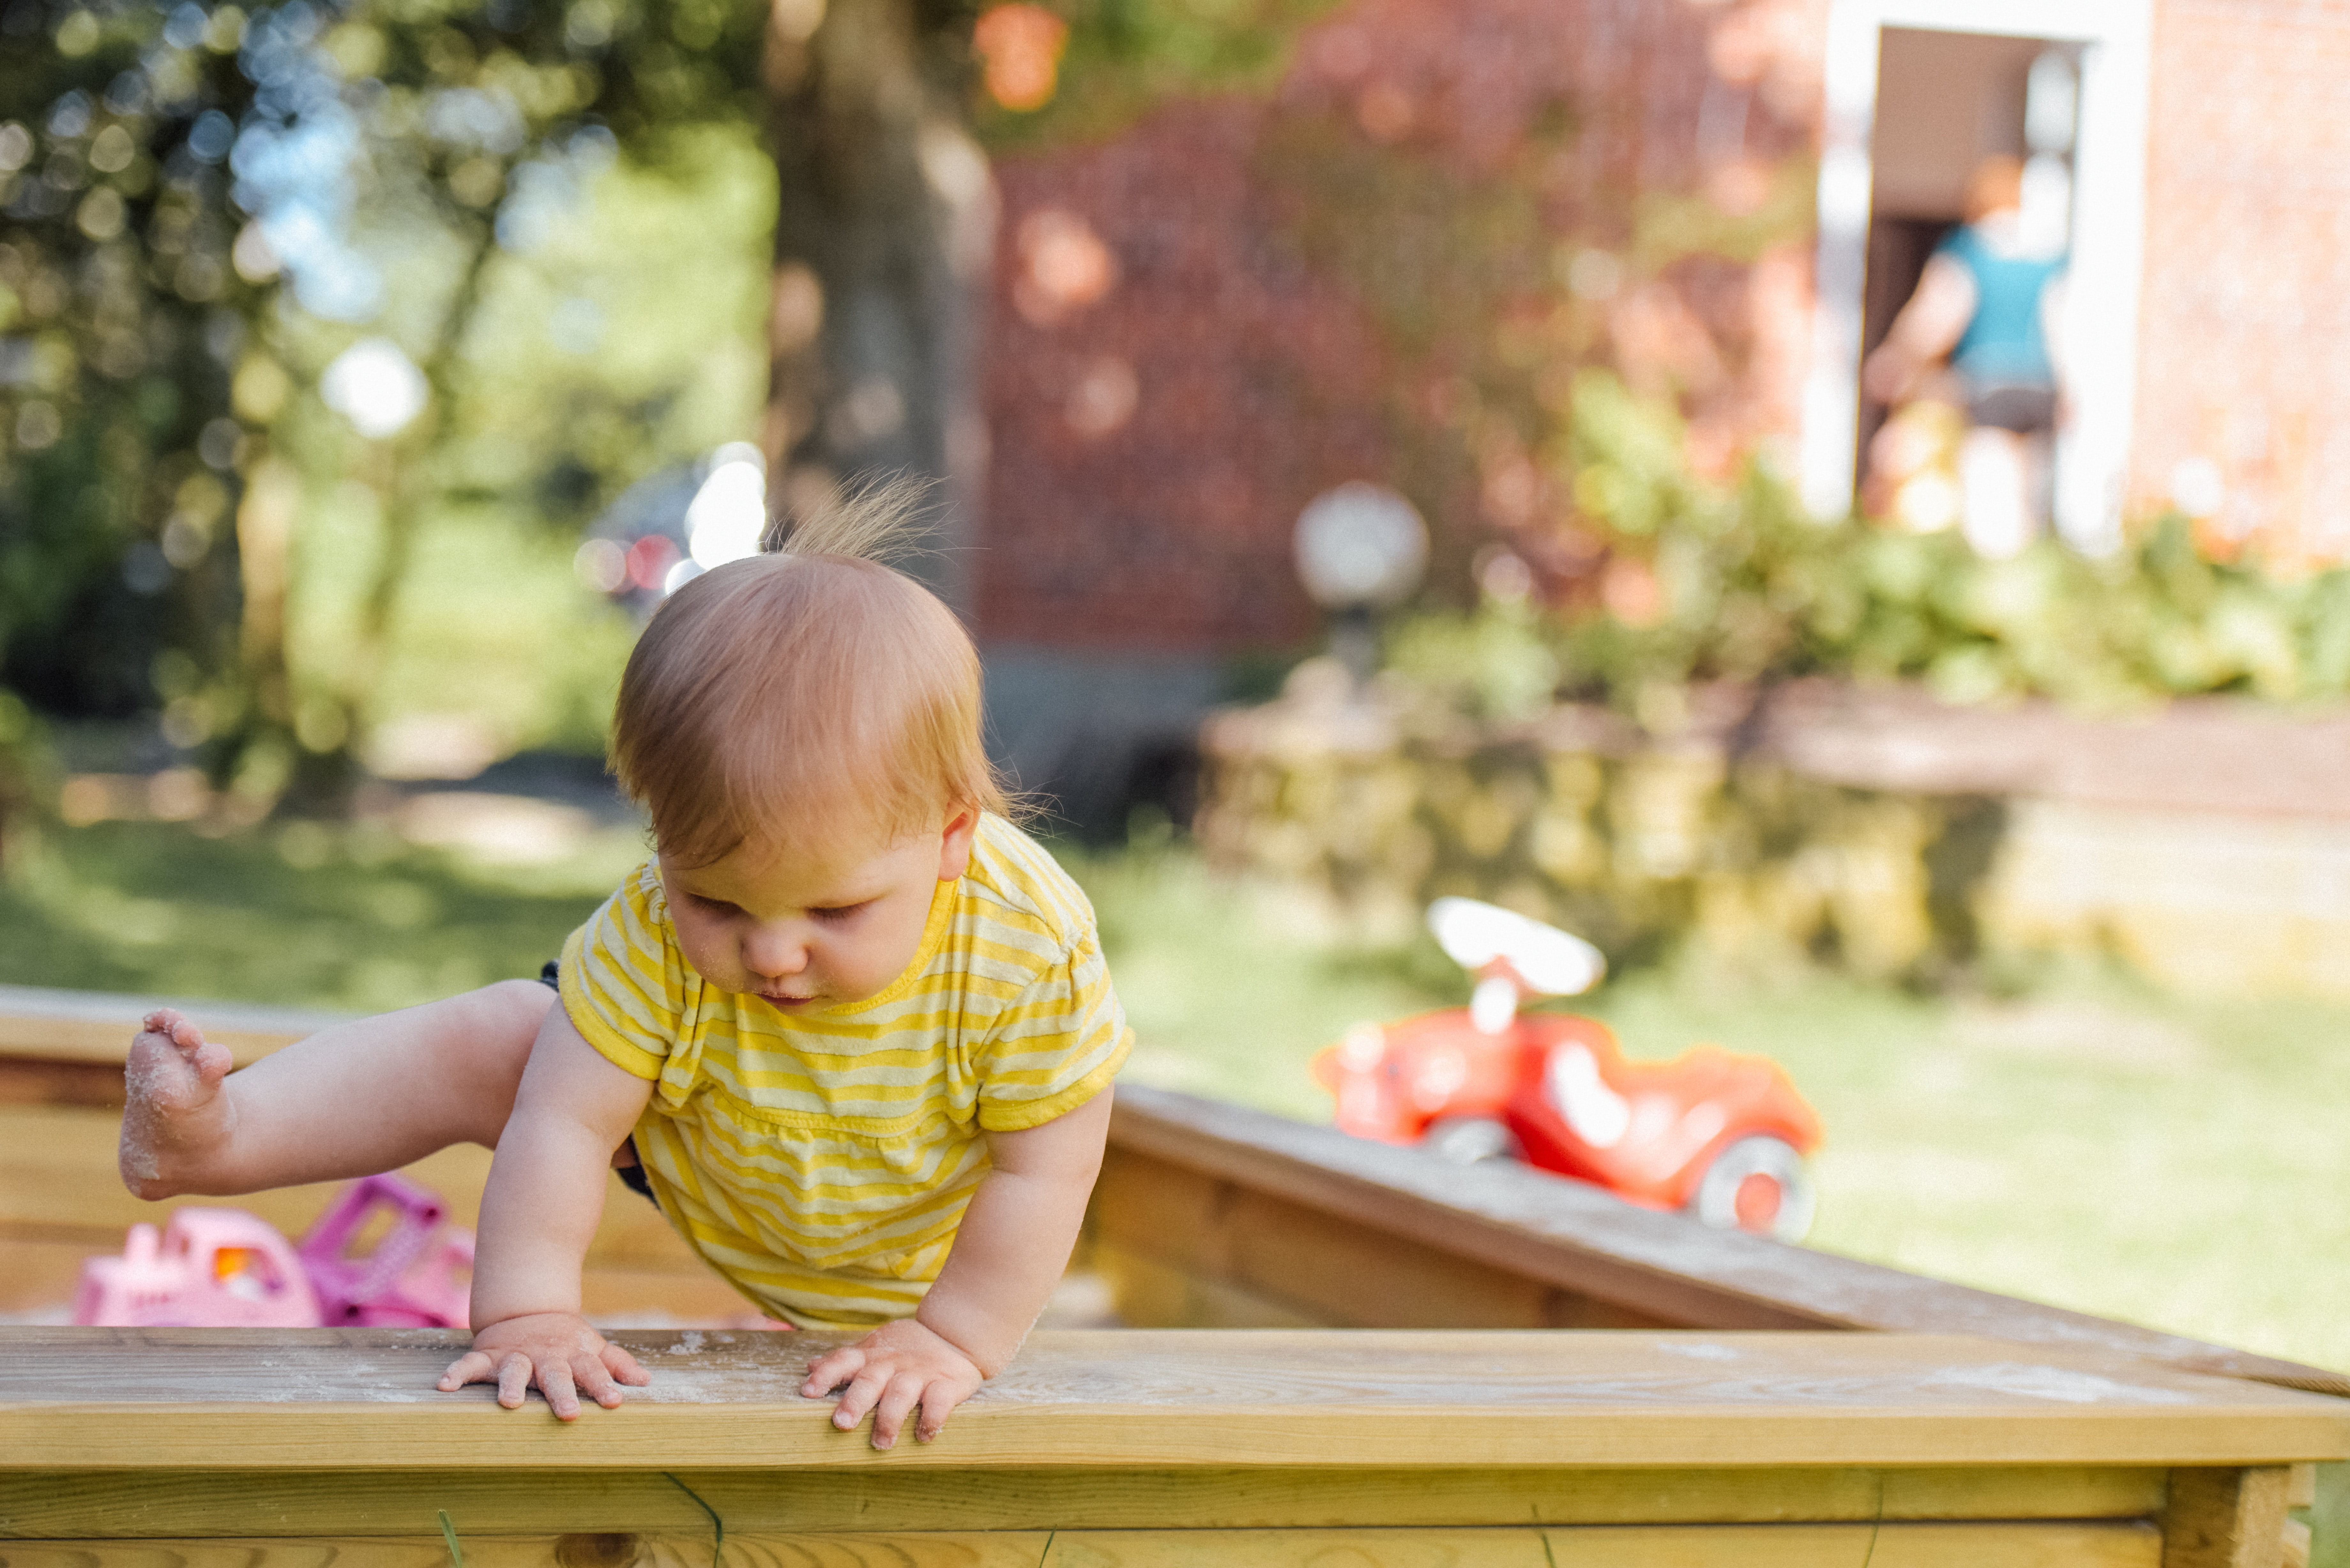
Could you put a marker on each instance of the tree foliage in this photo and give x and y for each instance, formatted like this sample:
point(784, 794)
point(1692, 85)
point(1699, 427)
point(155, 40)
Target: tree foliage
point(208, 203)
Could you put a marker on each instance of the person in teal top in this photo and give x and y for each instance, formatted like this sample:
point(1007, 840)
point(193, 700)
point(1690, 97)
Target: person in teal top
point(1987, 302)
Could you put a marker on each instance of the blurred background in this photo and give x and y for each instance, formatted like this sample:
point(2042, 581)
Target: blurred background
point(1842, 509)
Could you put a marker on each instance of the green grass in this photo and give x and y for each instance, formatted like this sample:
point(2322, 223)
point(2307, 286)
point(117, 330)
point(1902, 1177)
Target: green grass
point(2181, 1164)
point(302, 915)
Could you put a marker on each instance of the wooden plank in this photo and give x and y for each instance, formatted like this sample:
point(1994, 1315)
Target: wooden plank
point(967, 1549)
point(1768, 1546)
point(259, 1399)
point(58, 1184)
point(41, 1024)
point(2225, 1518)
point(156, 1503)
point(1195, 1252)
point(1587, 1242)
point(36, 1082)
point(1862, 1546)
point(1145, 1290)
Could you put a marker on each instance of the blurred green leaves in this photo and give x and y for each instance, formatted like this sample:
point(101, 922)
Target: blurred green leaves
point(1702, 582)
point(207, 204)
point(1124, 57)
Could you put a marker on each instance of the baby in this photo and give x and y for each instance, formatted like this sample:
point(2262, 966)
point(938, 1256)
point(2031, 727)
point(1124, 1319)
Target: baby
point(849, 1027)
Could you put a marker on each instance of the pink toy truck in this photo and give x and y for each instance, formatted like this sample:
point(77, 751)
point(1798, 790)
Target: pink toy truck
point(417, 1276)
point(224, 1268)
point(210, 1268)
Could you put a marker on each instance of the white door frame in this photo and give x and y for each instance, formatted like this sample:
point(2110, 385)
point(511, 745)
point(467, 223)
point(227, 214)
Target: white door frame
point(2108, 240)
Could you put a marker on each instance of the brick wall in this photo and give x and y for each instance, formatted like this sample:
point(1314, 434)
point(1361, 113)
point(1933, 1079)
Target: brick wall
point(1211, 318)
point(2247, 287)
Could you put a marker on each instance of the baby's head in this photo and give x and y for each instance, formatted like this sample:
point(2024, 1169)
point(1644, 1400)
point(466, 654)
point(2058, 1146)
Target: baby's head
point(803, 728)
point(811, 698)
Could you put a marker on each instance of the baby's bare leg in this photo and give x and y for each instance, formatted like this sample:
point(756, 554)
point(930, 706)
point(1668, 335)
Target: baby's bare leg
point(360, 1097)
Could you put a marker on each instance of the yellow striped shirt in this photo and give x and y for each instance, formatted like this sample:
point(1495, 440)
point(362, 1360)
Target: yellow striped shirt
point(821, 1160)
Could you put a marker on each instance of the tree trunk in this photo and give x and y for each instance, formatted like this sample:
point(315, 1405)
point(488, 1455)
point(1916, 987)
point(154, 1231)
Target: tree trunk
point(884, 230)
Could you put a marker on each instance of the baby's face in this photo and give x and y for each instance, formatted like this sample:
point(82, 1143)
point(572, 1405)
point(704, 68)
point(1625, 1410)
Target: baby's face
point(813, 930)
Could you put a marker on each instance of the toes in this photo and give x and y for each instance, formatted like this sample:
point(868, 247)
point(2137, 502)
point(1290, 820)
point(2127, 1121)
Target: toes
point(212, 1061)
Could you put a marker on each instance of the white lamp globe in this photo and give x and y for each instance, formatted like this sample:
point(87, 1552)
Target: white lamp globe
point(1360, 545)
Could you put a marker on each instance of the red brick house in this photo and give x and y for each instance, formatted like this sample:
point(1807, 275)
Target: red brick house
point(1389, 266)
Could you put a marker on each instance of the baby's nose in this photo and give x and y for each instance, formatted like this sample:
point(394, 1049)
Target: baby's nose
point(775, 954)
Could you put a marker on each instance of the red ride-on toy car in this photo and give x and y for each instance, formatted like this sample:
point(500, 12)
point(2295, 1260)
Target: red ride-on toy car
point(1720, 1137)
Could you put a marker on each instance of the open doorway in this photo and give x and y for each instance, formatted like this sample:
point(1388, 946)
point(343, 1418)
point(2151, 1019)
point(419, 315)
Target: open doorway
point(1920, 92)
point(1946, 102)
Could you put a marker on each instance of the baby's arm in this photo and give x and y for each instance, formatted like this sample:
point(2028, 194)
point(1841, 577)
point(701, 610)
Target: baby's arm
point(539, 1211)
point(1009, 1252)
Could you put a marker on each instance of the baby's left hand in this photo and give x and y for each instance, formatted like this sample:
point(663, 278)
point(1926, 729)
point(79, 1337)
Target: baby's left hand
point(889, 1372)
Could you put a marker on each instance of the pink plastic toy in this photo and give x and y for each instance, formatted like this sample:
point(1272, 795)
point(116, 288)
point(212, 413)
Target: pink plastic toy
point(415, 1277)
point(224, 1268)
point(211, 1268)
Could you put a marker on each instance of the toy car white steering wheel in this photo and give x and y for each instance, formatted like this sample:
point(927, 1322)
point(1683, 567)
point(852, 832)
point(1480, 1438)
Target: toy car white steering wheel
point(1473, 933)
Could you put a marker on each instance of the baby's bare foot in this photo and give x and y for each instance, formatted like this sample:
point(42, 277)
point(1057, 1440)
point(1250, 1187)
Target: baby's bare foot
point(175, 1118)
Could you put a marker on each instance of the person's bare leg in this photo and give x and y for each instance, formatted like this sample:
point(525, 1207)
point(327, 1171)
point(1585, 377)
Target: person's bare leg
point(364, 1096)
point(1992, 472)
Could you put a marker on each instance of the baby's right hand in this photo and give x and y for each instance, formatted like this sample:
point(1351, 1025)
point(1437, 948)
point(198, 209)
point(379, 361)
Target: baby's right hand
point(556, 1350)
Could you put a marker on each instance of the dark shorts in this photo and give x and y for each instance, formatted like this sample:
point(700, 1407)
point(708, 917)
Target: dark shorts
point(632, 1174)
point(2020, 406)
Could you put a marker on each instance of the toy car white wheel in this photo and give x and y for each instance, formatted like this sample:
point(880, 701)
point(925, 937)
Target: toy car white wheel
point(1470, 1141)
point(1759, 1184)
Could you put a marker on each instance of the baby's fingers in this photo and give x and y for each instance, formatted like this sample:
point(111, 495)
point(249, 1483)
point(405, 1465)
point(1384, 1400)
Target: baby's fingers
point(624, 1366)
point(897, 1400)
point(473, 1367)
point(595, 1382)
point(514, 1378)
point(829, 1372)
point(864, 1391)
point(939, 1401)
point(555, 1382)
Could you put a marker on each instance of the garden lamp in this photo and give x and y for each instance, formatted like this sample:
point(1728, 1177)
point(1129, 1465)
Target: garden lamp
point(1361, 549)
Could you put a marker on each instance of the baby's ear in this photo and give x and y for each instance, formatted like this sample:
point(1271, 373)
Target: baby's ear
point(954, 843)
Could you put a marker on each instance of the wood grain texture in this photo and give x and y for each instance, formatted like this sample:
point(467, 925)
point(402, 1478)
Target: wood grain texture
point(970, 1549)
point(258, 1399)
point(132, 1503)
point(1149, 1292)
point(1863, 1546)
point(58, 1185)
point(1196, 1252)
point(2225, 1518)
point(1588, 1243)
point(41, 1024)
point(34, 1081)
point(1767, 1546)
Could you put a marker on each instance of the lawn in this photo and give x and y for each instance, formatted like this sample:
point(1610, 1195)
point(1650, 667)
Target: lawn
point(2178, 1164)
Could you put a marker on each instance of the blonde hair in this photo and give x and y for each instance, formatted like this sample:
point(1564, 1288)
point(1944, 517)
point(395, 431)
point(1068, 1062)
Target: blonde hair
point(805, 696)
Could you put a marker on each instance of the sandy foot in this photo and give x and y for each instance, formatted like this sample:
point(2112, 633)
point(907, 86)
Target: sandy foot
point(176, 1117)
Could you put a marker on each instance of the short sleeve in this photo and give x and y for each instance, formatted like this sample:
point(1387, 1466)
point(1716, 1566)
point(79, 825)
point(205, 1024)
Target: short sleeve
point(623, 981)
point(1056, 1046)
